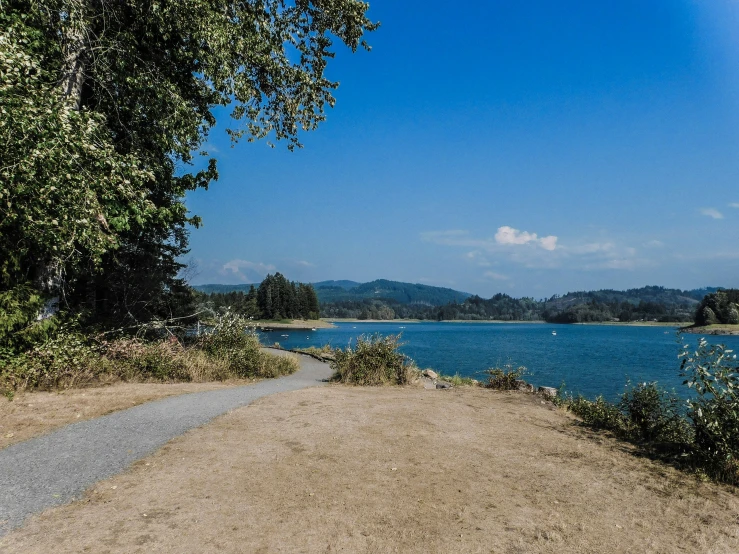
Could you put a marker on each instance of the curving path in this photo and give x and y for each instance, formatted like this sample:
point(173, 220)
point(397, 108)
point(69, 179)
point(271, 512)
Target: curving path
point(56, 468)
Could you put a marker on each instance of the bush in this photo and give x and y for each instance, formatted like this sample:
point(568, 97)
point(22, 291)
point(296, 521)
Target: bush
point(713, 373)
point(71, 359)
point(598, 414)
point(374, 361)
point(239, 349)
point(645, 415)
point(506, 378)
point(654, 417)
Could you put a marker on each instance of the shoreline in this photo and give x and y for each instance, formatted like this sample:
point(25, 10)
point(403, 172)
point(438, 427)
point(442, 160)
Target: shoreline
point(675, 324)
point(713, 330)
point(298, 324)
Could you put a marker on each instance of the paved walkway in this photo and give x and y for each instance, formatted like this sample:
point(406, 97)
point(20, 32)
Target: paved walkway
point(56, 468)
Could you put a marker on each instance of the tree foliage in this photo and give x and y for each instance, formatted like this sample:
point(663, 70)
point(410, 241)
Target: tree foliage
point(276, 298)
point(718, 307)
point(104, 105)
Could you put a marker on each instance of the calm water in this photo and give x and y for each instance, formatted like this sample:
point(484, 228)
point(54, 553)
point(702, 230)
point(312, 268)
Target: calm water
point(590, 359)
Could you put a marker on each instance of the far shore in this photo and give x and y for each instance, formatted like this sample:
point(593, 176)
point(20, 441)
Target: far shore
point(328, 323)
point(304, 324)
point(514, 321)
point(713, 330)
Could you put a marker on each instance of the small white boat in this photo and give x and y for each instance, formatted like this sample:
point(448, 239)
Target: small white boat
point(554, 333)
point(313, 328)
point(284, 335)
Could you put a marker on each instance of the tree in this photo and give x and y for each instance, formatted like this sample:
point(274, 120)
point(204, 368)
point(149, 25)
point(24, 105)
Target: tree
point(103, 105)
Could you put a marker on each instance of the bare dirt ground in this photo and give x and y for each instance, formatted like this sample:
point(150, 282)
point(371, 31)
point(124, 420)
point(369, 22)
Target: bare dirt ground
point(31, 414)
point(392, 470)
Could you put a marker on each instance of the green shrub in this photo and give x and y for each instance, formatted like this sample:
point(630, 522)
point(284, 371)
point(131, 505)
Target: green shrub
point(655, 418)
point(66, 360)
point(713, 373)
point(599, 414)
point(374, 361)
point(230, 342)
point(505, 378)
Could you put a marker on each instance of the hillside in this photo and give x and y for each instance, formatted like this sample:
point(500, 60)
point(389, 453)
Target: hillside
point(385, 299)
point(351, 291)
point(395, 291)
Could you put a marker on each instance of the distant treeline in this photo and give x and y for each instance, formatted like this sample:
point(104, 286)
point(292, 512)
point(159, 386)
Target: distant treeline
point(275, 298)
point(645, 304)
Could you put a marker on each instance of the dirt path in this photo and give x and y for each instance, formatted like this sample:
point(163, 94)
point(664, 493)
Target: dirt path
point(57, 467)
point(341, 469)
point(32, 414)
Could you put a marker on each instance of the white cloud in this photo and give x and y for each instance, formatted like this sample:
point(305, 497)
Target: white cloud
point(509, 235)
point(247, 270)
point(523, 248)
point(548, 243)
point(734, 205)
point(496, 276)
point(303, 263)
point(712, 212)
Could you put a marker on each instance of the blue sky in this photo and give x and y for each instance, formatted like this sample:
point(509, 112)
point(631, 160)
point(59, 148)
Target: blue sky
point(530, 148)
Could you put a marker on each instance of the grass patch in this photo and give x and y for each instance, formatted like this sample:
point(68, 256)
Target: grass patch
point(374, 361)
point(457, 380)
point(71, 359)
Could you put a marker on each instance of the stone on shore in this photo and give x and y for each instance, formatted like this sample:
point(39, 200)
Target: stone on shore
point(549, 392)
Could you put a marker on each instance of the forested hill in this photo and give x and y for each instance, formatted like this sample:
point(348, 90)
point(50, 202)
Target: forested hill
point(351, 291)
point(646, 303)
point(395, 291)
point(383, 299)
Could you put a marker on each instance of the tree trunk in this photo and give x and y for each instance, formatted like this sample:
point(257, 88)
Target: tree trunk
point(76, 49)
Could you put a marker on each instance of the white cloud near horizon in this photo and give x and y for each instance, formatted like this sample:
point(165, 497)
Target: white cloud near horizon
point(509, 235)
point(734, 205)
point(246, 270)
point(712, 212)
point(527, 249)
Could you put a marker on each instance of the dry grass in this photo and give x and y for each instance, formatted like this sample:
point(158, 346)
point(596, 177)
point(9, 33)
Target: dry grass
point(392, 470)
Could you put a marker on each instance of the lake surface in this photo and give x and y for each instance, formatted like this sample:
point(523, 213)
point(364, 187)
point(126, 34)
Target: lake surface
point(589, 359)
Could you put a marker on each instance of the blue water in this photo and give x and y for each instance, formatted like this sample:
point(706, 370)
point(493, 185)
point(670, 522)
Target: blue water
point(589, 359)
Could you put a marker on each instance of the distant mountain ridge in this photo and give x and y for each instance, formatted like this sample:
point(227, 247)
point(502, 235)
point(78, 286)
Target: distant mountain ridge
point(351, 291)
point(395, 291)
point(385, 299)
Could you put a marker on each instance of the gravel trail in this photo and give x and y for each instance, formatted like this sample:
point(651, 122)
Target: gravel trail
point(56, 468)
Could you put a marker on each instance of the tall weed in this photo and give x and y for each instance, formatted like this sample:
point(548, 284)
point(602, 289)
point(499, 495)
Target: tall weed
point(506, 378)
point(374, 361)
point(72, 359)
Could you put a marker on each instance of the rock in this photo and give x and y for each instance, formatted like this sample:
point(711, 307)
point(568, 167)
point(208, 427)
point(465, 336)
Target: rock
point(549, 392)
point(443, 385)
point(524, 386)
point(430, 373)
